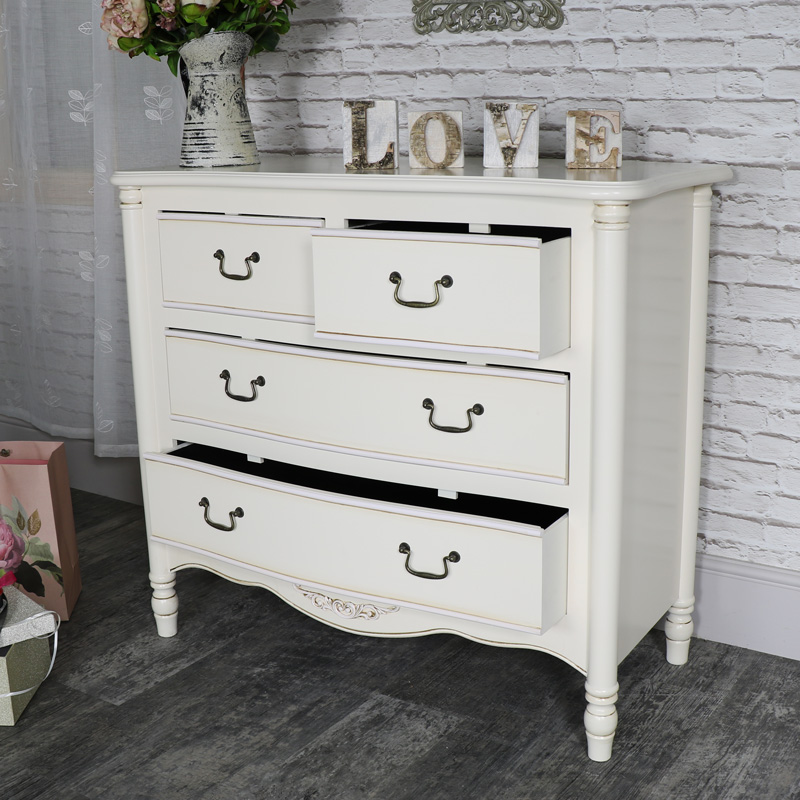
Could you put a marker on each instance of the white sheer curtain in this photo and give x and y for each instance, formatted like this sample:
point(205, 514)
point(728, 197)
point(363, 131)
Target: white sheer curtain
point(71, 112)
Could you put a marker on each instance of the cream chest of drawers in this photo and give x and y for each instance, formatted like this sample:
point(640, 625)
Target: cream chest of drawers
point(462, 402)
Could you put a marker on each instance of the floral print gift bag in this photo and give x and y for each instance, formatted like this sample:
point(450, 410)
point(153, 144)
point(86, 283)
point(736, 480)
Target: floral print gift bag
point(38, 550)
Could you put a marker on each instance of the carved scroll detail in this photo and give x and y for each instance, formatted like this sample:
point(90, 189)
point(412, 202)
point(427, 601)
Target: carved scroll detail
point(433, 16)
point(345, 608)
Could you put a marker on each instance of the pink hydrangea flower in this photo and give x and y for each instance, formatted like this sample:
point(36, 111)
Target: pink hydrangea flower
point(12, 548)
point(123, 19)
point(168, 6)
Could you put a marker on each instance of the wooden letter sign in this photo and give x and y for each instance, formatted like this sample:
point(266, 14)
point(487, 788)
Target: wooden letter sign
point(594, 139)
point(510, 134)
point(435, 140)
point(370, 131)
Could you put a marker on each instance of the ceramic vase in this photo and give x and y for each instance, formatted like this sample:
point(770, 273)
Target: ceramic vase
point(217, 131)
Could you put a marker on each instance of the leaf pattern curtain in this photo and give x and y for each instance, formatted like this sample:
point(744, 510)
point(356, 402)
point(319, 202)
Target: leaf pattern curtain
point(71, 112)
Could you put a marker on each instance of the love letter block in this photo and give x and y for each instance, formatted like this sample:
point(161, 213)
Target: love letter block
point(511, 134)
point(594, 139)
point(435, 139)
point(370, 130)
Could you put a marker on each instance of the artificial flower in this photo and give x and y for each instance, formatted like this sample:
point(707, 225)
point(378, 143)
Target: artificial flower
point(124, 19)
point(161, 27)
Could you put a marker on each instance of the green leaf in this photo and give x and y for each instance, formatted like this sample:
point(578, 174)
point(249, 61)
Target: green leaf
point(173, 59)
point(126, 43)
point(53, 569)
point(268, 40)
point(193, 12)
point(37, 550)
point(29, 579)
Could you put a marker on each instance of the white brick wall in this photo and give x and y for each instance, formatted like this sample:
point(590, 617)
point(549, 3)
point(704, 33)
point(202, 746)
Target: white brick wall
point(709, 80)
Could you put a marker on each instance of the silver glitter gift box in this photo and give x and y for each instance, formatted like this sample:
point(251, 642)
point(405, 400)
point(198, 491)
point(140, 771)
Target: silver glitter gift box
point(24, 659)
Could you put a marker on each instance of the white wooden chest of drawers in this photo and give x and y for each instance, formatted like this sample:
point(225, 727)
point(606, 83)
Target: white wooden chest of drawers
point(463, 402)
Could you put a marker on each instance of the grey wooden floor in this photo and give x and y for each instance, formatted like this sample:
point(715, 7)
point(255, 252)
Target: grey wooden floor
point(254, 701)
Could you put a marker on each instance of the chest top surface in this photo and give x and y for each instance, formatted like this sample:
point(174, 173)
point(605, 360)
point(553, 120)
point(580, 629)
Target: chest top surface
point(635, 180)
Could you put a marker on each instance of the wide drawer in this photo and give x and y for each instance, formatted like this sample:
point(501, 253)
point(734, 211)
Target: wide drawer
point(508, 571)
point(472, 293)
point(256, 264)
point(496, 420)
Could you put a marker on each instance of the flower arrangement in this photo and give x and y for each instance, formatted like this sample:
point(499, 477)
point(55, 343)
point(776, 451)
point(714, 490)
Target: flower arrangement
point(161, 27)
point(23, 555)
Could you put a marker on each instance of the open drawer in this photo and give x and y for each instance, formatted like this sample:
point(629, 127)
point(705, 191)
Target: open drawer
point(474, 557)
point(233, 263)
point(496, 295)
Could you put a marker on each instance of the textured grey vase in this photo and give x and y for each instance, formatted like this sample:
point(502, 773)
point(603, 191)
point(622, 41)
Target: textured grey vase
point(217, 131)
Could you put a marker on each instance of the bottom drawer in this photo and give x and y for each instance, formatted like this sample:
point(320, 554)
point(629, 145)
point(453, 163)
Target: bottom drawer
point(477, 557)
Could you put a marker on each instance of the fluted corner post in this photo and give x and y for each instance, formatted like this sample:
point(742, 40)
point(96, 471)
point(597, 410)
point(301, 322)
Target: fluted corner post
point(164, 599)
point(165, 603)
point(679, 625)
point(611, 224)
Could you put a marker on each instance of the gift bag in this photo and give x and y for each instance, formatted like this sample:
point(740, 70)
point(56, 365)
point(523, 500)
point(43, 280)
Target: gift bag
point(37, 529)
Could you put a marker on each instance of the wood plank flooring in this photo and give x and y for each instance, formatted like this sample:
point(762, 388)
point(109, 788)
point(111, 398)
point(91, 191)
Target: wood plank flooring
point(254, 701)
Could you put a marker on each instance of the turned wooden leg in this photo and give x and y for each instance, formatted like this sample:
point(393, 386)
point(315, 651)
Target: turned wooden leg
point(679, 627)
point(600, 721)
point(165, 603)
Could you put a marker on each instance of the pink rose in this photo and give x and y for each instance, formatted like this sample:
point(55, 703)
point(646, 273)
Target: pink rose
point(12, 548)
point(123, 19)
point(167, 23)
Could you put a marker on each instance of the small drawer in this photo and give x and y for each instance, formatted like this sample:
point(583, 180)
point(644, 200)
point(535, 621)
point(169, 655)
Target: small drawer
point(476, 418)
point(280, 519)
point(497, 295)
point(237, 263)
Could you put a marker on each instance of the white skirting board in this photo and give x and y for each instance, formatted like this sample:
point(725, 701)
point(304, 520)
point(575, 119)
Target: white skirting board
point(748, 605)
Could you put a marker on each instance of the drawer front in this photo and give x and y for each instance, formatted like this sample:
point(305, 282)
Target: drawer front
point(497, 420)
point(497, 295)
point(266, 264)
point(518, 578)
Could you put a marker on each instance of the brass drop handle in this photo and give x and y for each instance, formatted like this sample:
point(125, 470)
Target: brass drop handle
point(452, 557)
point(477, 410)
point(396, 278)
point(236, 513)
point(253, 258)
point(259, 381)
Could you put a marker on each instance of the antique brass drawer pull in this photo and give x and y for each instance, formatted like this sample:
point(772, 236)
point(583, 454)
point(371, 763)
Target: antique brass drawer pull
point(477, 410)
point(259, 381)
point(445, 281)
point(253, 258)
point(237, 512)
point(453, 557)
